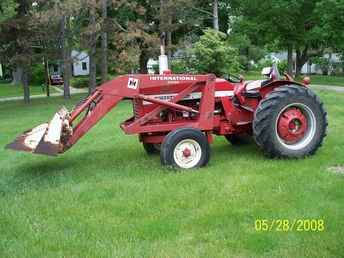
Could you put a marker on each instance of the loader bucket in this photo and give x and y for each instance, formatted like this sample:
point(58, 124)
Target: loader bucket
point(45, 138)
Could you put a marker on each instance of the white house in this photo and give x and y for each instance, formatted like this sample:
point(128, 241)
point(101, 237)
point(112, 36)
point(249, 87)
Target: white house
point(308, 67)
point(81, 63)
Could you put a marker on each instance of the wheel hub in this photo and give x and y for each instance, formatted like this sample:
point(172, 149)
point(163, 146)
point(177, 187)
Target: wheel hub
point(187, 153)
point(292, 125)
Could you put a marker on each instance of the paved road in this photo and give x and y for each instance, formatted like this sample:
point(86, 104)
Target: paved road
point(74, 91)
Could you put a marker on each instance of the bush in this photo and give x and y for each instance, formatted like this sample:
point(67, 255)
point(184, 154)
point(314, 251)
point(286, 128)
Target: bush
point(267, 62)
point(37, 75)
point(82, 82)
point(283, 66)
point(322, 62)
point(179, 66)
point(213, 54)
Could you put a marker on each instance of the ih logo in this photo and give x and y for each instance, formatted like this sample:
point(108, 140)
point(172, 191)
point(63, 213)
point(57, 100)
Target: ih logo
point(133, 83)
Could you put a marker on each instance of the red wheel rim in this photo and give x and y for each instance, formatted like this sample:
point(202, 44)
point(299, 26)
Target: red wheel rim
point(292, 125)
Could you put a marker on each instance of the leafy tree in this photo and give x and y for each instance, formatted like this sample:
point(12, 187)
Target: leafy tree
point(7, 9)
point(213, 54)
point(16, 43)
point(292, 25)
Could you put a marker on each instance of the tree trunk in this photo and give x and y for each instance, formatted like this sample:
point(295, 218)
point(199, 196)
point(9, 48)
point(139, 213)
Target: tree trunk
point(298, 63)
point(216, 15)
point(169, 37)
point(92, 54)
point(290, 59)
point(66, 55)
point(25, 82)
point(17, 75)
point(93, 70)
point(46, 75)
point(330, 67)
point(104, 47)
point(301, 59)
point(143, 62)
point(66, 72)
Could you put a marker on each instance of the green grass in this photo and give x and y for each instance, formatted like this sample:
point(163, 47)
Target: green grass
point(315, 79)
point(327, 80)
point(253, 75)
point(106, 198)
point(8, 90)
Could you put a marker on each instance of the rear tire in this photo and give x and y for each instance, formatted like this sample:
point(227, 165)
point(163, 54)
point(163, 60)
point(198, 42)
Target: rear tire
point(290, 122)
point(185, 148)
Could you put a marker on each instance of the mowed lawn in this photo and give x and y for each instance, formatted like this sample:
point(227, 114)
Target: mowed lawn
point(106, 198)
point(8, 90)
point(330, 80)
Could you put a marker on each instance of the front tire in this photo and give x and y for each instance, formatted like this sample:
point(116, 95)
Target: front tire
point(290, 122)
point(185, 148)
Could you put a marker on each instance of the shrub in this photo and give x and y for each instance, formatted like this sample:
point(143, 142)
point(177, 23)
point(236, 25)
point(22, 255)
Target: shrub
point(213, 54)
point(37, 74)
point(267, 62)
point(82, 82)
point(283, 66)
point(179, 66)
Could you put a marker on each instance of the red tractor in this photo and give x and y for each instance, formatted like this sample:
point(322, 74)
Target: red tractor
point(177, 115)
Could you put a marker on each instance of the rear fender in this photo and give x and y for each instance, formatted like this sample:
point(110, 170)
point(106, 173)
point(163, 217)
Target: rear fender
point(266, 89)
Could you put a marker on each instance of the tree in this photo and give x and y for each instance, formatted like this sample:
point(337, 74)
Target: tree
point(213, 54)
point(93, 50)
point(16, 42)
point(56, 16)
point(66, 53)
point(216, 15)
point(104, 42)
point(7, 9)
point(290, 25)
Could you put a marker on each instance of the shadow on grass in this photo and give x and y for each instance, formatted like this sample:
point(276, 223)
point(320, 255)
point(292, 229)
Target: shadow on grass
point(248, 148)
point(77, 167)
point(112, 163)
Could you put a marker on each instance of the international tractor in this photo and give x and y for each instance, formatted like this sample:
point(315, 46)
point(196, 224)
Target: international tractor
point(177, 115)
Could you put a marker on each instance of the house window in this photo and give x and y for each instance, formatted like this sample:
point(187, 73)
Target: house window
point(84, 66)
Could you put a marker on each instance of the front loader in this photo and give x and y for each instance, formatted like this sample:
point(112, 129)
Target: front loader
point(177, 115)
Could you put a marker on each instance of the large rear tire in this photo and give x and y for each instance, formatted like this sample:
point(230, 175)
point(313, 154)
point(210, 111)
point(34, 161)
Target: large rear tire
point(290, 122)
point(185, 148)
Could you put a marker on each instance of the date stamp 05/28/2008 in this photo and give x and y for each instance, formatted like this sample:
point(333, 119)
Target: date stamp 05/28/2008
point(289, 225)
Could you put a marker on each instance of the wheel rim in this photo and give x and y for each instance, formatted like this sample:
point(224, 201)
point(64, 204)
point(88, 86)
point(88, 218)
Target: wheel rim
point(295, 126)
point(187, 153)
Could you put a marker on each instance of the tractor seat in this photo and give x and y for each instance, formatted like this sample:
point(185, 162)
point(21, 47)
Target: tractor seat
point(253, 85)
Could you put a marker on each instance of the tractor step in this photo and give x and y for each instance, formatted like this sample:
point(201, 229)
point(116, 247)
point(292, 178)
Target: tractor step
point(45, 138)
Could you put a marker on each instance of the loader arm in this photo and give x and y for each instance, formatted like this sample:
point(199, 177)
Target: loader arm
point(59, 134)
point(104, 104)
point(66, 128)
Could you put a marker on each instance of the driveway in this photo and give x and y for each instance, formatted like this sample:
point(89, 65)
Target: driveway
point(328, 88)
